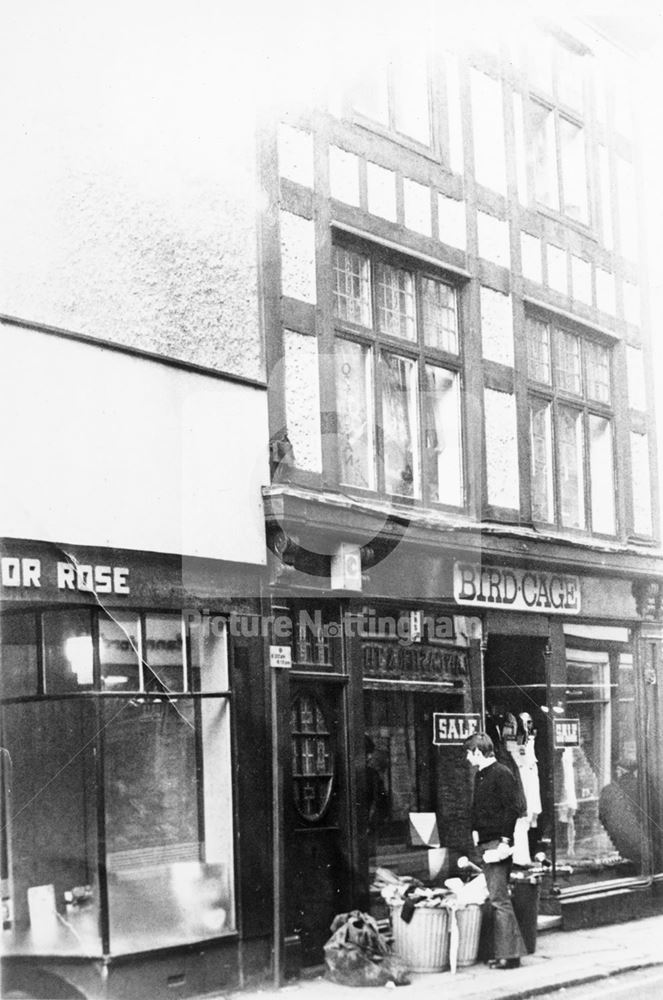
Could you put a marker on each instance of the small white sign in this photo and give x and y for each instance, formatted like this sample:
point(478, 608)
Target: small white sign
point(280, 656)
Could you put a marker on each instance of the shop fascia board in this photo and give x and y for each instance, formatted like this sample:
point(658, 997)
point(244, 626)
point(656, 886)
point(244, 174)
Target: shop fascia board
point(325, 514)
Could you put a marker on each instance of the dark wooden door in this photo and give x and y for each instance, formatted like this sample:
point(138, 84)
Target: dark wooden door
point(318, 879)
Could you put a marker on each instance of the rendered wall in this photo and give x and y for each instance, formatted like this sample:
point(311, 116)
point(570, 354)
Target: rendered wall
point(104, 448)
point(128, 204)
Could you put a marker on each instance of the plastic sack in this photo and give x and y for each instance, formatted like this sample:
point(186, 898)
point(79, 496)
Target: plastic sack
point(357, 954)
point(474, 891)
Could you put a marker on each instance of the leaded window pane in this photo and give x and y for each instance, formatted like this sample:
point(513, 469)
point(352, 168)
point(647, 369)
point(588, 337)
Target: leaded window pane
point(395, 301)
point(442, 436)
point(400, 425)
point(410, 96)
point(567, 362)
point(538, 350)
point(355, 414)
point(641, 484)
point(545, 162)
point(597, 365)
point(574, 169)
point(440, 317)
point(352, 297)
point(541, 467)
point(602, 476)
point(570, 467)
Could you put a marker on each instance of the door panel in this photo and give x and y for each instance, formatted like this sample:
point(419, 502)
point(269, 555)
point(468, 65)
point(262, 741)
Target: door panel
point(317, 875)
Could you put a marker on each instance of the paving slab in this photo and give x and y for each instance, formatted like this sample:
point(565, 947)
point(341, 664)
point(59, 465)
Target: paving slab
point(561, 959)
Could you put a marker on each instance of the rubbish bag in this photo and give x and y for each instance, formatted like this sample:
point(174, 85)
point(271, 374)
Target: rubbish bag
point(357, 954)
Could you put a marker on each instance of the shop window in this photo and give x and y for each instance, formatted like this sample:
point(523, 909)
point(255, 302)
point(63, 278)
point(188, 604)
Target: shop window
point(557, 133)
point(164, 653)
point(166, 797)
point(120, 656)
point(68, 651)
point(571, 428)
point(397, 367)
point(19, 656)
point(405, 684)
point(600, 823)
point(312, 759)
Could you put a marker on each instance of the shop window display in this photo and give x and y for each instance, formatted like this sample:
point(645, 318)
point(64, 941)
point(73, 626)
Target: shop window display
point(598, 814)
point(405, 685)
point(128, 773)
point(590, 815)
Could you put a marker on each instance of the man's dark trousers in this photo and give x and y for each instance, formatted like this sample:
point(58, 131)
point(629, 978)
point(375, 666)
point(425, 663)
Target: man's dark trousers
point(508, 941)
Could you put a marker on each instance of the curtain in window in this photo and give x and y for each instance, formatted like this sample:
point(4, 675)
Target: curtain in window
point(399, 425)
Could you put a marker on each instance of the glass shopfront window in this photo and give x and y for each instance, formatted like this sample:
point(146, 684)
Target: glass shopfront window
point(574, 744)
point(598, 815)
point(145, 770)
point(407, 683)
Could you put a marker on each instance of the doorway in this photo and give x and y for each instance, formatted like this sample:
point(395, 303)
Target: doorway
point(318, 877)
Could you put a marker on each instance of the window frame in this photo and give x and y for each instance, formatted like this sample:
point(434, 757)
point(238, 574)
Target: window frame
point(562, 112)
point(422, 354)
point(557, 397)
point(101, 700)
point(433, 148)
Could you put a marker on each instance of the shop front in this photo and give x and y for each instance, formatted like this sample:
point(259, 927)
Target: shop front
point(559, 665)
point(121, 801)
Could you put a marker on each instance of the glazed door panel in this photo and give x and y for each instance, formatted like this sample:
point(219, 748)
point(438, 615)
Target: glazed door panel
point(317, 873)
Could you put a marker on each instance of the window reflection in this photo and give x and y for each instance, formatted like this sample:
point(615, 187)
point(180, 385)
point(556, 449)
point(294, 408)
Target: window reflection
point(164, 649)
point(19, 656)
point(68, 652)
point(164, 887)
point(119, 652)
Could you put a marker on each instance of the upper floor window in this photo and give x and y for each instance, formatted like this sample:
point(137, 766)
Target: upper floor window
point(556, 130)
point(394, 93)
point(397, 366)
point(571, 428)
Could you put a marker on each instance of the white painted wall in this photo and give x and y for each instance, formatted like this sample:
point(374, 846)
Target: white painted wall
point(104, 448)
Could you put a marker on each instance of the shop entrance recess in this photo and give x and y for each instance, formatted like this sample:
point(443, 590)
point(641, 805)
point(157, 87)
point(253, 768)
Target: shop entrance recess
point(517, 720)
point(317, 876)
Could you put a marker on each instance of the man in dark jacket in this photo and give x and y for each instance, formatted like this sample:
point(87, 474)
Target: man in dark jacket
point(495, 809)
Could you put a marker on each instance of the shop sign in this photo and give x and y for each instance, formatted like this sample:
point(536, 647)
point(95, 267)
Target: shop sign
point(451, 730)
point(280, 657)
point(566, 733)
point(417, 662)
point(30, 573)
point(516, 589)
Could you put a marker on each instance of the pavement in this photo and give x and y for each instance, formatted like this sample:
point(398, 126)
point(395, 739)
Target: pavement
point(561, 959)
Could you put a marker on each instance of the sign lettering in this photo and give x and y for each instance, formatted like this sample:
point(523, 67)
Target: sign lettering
point(84, 578)
point(451, 730)
point(520, 590)
point(280, 657)
point(417, 662)
point(566, 733)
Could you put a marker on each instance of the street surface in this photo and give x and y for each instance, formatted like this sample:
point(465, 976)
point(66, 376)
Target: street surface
point(646, 984)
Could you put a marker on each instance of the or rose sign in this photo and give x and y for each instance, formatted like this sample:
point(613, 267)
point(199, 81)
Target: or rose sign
point(87, 578)
point(453, 729)
point(520, 590)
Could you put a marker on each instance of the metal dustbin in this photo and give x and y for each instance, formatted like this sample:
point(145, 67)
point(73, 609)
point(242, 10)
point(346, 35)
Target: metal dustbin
point(469, 930)
point(423, 942)
point(525, 902)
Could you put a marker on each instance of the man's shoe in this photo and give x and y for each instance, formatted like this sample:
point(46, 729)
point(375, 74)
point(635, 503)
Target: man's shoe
point(504, 963)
